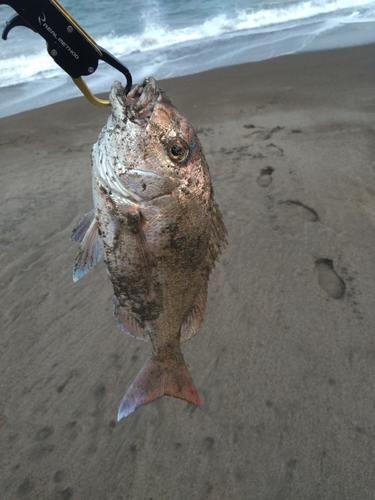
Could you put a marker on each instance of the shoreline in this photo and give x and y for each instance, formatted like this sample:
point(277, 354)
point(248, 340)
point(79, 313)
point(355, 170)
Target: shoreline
point(252, 70)
point(60, 88)
point(284, 361)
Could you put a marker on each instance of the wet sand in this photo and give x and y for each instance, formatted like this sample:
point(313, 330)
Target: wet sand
point(285, 361)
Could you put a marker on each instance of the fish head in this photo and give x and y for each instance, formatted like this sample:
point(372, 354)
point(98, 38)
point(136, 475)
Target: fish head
point(151, 149)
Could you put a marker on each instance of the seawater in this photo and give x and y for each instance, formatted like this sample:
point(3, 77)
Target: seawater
point(166, 38)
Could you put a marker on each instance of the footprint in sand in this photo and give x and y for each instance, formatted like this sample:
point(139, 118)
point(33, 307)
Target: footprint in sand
point(275, 150)
point(44, 433)
point(328, 279)
point(303, 211)
point(265, 176)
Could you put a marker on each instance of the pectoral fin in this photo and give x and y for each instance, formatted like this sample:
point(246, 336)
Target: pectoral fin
point(91, 246)
point(82, 226)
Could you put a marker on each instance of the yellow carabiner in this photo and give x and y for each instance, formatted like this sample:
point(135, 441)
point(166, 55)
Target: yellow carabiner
point(81, 84)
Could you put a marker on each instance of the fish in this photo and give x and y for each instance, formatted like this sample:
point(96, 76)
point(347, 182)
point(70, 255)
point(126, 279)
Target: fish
point(160, 232)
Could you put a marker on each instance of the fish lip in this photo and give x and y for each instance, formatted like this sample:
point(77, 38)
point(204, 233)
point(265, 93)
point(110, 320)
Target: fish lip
point(138, 105)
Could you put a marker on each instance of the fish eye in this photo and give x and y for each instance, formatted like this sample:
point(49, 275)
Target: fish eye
point(178, 150)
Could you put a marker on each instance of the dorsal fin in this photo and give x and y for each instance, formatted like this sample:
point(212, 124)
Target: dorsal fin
point(194, 319)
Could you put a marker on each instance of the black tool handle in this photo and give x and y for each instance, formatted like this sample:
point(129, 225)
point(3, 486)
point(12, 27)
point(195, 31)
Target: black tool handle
point(67, 43)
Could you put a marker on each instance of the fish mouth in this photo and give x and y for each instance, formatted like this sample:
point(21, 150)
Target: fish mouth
point(139, 104)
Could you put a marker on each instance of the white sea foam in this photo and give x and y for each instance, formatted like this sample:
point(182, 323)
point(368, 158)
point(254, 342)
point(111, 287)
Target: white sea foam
point(15, 69)
point(159, 37)
point(23, 68)
point(29, 77)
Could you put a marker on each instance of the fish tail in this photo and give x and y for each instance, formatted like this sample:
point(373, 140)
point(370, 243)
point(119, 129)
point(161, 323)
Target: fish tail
point(156, 379)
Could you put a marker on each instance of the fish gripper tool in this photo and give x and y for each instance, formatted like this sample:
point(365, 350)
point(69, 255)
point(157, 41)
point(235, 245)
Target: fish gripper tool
point(67, 42)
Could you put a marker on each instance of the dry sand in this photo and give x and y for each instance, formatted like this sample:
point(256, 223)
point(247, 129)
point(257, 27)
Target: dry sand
point(285, 361)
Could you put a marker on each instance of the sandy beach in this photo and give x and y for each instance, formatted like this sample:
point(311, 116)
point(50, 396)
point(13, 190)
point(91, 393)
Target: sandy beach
point(285, 361)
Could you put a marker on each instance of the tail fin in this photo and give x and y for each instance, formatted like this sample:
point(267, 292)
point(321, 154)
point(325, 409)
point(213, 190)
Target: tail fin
point(155, 380)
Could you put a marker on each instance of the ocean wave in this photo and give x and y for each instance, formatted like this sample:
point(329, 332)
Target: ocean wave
point(155, 37)
point(20, 69)
point(32, 67)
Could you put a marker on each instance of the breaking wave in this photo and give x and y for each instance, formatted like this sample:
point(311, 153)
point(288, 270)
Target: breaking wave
point(17, 67)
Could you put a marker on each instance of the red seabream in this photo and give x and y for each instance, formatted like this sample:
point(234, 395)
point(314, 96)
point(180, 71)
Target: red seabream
point(160, 231)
